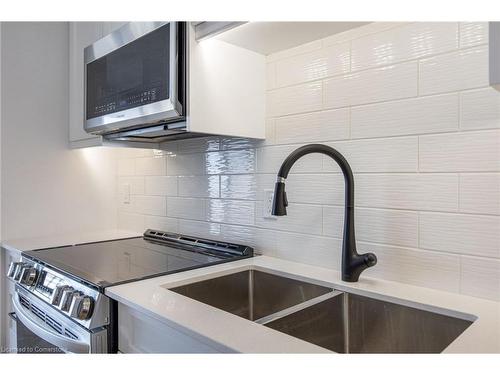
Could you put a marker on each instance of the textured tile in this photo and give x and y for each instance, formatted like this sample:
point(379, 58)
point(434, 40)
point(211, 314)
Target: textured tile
point(422, 268)
point(150, 205)
point(481, 278)
point(201, 229)
point(301, 218)
point(234, 143)
point(319, 64)
point(436, 192)
point(295, 99)
point(313, 127)
point(199, 186)
point(460, 233)
point(370, 86)
point(473, 33)
point(155, 166)
point(269, 160)
point(229, 162)
point(131, 221)
point(161, 185)
point(392, 227)
point(263, 241)
point(408, 42)
point(377, 155)
point(460, 152)
point(315, 250)
point(480, 109)
point(186, 208)
point(315, 188)
point(186, 165)
point(405, 117)
point(195, 145)
point(230, 211)
point(461, 70)
point(359, 32)
point(136, 185)
point(238, 186)
point(480, 193)
point(161, 223)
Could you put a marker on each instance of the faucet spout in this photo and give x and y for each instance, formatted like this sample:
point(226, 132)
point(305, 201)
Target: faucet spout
point(352, 262)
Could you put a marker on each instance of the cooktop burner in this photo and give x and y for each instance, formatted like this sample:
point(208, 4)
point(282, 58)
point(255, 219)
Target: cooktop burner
point(108, 263)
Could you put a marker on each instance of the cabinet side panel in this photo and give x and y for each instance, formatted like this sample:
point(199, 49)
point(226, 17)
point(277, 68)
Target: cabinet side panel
point(226, 89)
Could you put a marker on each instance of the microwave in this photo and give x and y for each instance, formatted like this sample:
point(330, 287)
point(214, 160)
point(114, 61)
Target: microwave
point(135, 82)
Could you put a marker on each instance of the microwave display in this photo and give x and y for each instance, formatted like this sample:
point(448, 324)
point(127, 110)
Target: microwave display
point(131, 76)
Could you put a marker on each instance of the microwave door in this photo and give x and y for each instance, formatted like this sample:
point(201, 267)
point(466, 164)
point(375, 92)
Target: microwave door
point(131, 78)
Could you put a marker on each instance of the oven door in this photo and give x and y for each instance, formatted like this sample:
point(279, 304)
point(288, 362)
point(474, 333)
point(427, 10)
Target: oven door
point(134, 77)
point(40, 330)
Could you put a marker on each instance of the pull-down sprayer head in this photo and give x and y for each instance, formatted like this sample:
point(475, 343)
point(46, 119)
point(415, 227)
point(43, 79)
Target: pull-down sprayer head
point(279, 200)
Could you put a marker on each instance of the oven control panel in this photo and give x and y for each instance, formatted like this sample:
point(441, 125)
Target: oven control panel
point(69, 296)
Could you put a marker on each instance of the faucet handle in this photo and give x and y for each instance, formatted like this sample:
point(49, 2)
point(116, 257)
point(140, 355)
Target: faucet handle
point(370, 259)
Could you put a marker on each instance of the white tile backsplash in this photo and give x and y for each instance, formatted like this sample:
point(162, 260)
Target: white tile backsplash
point(371, 86)
point(313, 127)
point(377, 155)
point(480, 109)
point(160, 185)
point(433, 114)
point(473, 33)
point(410, 191)
point(155, 166)
point(480, 193)
point(457, 233)
point(480, 277)
point(409, 107)
point(325, 62)
point(408, 42)
point(295, 99)
point(460, 152)
point(460, 70)
point(395, 227)
point(199, 186)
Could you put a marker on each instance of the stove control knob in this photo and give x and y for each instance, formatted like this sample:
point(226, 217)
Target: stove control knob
point(13, 268)
point(85, 308)
point(75, 304)
point(28, 276)
point(19, 270)
point(66, 297)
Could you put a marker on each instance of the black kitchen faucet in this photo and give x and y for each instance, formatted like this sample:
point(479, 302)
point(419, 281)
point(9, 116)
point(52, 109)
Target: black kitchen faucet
point(352, 262)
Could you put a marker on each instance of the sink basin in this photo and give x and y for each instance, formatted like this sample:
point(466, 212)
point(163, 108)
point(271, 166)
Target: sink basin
point(252, 294)
point(350, 323)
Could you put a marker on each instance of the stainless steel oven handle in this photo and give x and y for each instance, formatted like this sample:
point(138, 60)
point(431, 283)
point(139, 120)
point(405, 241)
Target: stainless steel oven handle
point(64, 343)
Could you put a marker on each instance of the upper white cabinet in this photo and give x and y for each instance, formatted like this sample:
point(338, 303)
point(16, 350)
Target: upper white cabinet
point(82, 34)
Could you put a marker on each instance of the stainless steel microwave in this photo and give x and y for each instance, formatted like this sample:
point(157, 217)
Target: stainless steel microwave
point(135, 82)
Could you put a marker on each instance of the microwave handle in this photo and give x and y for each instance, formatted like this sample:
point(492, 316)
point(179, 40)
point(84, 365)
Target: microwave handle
point(64, 343)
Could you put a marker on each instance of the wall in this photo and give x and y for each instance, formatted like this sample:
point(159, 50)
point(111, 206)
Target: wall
point(46, 187)
point(409, 107)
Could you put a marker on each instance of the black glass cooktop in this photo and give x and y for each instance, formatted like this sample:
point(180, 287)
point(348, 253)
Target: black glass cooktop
point(108, 263)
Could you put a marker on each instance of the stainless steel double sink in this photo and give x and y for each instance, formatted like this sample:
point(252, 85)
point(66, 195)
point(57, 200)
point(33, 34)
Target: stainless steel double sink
point(339, 321)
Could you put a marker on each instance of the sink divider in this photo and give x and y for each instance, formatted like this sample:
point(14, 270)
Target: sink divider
point(301, 306)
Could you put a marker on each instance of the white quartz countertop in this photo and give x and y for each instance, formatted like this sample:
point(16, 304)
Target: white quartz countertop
point(229, 332)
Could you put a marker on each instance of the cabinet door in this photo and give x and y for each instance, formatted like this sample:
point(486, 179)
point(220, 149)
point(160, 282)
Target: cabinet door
point(81, 34)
